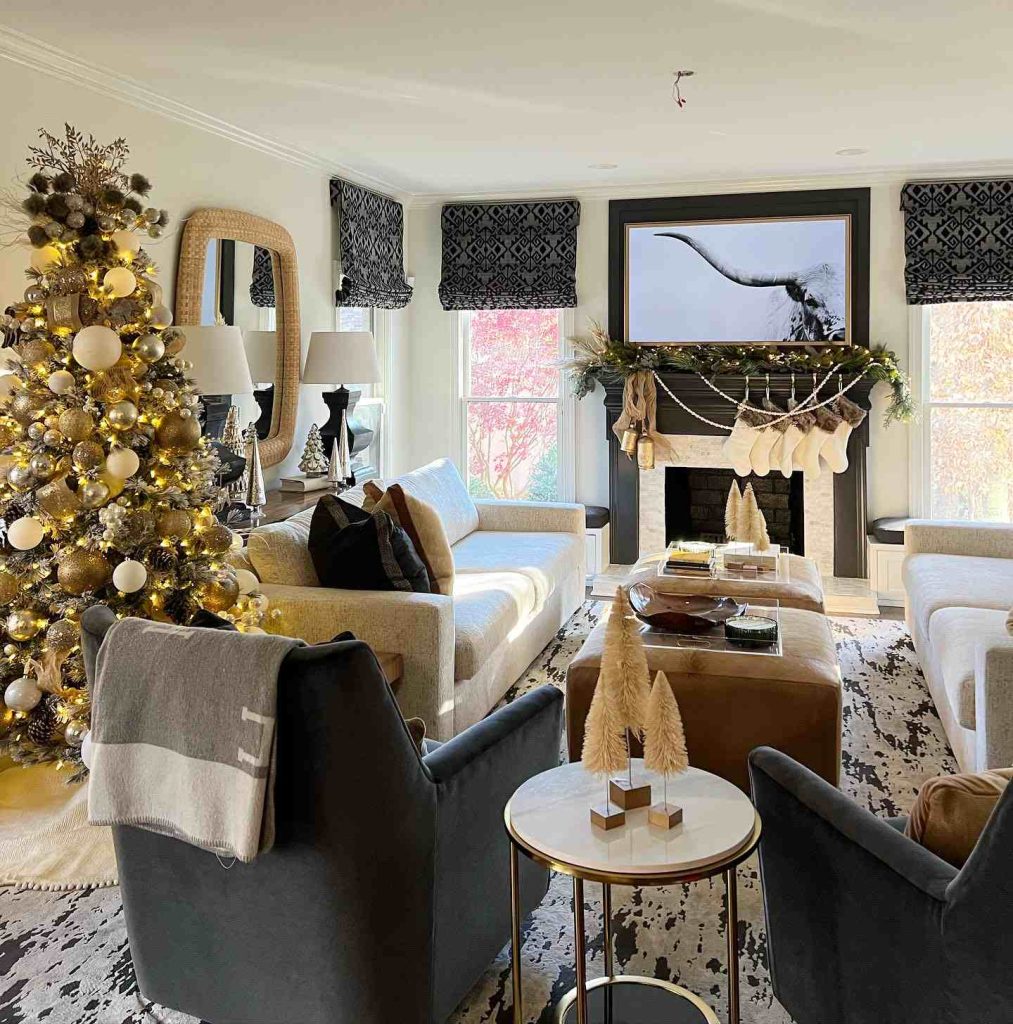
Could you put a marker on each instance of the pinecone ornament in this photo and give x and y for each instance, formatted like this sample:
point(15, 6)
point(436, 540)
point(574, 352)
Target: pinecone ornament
point(181, 607)
point(163, 560)
point(42, 722)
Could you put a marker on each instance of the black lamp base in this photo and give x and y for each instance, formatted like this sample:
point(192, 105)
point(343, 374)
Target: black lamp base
point(359, 435)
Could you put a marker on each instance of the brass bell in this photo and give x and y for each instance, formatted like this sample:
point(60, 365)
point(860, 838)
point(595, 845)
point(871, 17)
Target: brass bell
point(629, 440)
point(645, 453)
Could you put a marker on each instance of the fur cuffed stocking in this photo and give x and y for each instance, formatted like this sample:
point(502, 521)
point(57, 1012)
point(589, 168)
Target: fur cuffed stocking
point(798, 426)
point(767, 456)
point(835, 450)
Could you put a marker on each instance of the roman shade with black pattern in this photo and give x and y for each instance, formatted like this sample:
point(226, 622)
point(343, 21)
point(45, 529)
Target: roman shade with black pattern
point(262, 278)
point(370, 248)
point(958, 241)
point(510, 255)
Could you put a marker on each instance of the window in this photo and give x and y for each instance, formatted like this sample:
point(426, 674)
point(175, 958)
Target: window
point(963, 465)
point(370, 409)
point(516, 423)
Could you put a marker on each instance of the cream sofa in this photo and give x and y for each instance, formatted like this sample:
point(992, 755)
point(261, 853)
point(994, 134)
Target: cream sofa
point(958, 578)
point(519, 575)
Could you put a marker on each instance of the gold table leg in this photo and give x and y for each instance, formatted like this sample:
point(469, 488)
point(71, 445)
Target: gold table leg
point(606, 905)
point(579, 951)
point(515, 933)
point(732, 926)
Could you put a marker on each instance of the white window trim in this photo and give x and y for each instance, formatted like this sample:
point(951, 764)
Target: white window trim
point(567, 429)
point(920, 434)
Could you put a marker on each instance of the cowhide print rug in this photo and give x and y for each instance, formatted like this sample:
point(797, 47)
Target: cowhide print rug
point(64, 957)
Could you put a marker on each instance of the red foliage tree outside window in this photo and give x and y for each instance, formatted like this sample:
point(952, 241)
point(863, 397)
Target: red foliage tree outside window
point(513, 359)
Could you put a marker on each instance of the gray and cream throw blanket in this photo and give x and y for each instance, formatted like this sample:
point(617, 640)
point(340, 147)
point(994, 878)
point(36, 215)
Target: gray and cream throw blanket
point(183, 728)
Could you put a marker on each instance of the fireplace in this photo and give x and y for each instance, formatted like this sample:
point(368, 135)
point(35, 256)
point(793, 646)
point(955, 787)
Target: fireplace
point(826, 517)
point(695, 505)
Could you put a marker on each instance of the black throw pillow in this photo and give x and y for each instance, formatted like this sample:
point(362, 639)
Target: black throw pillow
point(356, 550)
point(204, 619)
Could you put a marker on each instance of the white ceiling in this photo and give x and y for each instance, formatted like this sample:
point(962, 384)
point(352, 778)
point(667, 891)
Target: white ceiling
point(464, 96)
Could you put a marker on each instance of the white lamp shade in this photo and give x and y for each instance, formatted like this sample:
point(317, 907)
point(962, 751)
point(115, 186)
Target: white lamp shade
point(219, 360)
point(341, 357)
point(262, 355)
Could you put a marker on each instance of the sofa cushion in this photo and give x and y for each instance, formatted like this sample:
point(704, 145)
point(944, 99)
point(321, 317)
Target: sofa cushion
point(951, 812)
point(545, 558)
point(357, 550)
point(946, 581)
point(488, 608)
point(441, 486)
point(279, 552)
point(954, 635)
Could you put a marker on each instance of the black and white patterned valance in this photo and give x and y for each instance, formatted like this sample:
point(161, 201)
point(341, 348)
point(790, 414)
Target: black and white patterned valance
point(510, 255)
point(958, 240)
point(371, 248)
point(262, 278)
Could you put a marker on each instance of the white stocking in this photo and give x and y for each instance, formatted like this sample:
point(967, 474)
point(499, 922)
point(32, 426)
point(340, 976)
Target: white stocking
point(786, 452)
point(807, 454)
point(835, 451)
point(740, 442)
point(798, 427)
point(759, 454)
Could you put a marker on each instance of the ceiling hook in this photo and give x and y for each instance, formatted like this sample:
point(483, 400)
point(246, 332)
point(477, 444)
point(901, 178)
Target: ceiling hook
point(814, 382)
point(767, 379)
point(746, 399)
point(793, 385)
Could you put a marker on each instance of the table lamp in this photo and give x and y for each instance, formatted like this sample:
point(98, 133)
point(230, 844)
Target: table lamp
point(262, 355)
point(342, 357)
point(220, 370)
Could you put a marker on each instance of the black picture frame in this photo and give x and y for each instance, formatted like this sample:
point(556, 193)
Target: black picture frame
point(816, 203)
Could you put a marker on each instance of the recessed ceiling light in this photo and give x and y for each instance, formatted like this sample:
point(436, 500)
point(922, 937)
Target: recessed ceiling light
point(603, 167)
point(852, 151)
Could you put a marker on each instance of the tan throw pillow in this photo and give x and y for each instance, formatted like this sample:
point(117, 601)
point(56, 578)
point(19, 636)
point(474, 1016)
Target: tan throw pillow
point(425, 530)
point(951, 811)
point(372, 493)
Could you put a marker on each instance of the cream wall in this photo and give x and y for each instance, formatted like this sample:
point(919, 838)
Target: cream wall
point(190, 168)
point(433, 352)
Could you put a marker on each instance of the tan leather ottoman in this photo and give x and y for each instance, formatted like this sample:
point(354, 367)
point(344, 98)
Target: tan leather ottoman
point(800, 585)
point(733, 702)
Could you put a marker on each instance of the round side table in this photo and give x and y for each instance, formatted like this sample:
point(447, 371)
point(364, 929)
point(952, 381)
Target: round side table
point(548, 819)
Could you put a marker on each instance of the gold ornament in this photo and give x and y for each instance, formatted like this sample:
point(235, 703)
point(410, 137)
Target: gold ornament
point(20, 477)
point(149, 347)
point(22, 624)
point(62, 636)
point(43, 465)
point(628, 444)
point(93, 493)
point(217, 538)
point(645, 453)
point(122, 415)
point(178, 433)
point(76, 424)
point(37, 350)
point(175, 341)
point(82, 571)
point(88, 455)
point(115, 385)
point(173, 522)
point(161, 317)
point(23, 407)
point(9, 587)
point(64, 311)
point(220, 593)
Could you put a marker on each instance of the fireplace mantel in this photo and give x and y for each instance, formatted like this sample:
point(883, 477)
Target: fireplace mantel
point(624, 478)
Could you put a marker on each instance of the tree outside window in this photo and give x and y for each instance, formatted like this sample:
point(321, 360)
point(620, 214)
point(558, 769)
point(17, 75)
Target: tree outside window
point(512, 403)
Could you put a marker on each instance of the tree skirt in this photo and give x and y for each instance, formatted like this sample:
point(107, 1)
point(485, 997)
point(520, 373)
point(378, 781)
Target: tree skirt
point(66, 958)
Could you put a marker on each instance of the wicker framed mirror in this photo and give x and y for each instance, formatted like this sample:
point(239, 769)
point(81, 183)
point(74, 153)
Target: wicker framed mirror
point(242, 269)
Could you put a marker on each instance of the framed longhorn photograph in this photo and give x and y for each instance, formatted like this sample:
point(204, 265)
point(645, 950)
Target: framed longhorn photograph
point(785, 268)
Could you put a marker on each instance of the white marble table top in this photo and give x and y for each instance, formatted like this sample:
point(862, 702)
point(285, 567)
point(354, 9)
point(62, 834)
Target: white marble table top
point(550, 815)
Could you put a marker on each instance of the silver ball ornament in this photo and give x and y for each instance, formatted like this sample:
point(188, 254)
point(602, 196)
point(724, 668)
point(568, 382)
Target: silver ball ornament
point(35, 293)
point(105, 222)
point(52, 438)
point(122, 415)
point(20, 477)
point(36, 431)
point(75, 219)
point(149, 347)
point(93, 493)
point(43, 465)
point(74, 201)
point(87, 208)
point(75, 733)
point(54, 229)
point(151, 214)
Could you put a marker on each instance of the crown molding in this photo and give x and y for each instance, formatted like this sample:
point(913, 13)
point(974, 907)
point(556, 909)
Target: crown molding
point(41, 56)
point(715, 186)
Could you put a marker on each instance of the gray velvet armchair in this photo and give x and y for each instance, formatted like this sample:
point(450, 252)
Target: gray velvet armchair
point(387, 892)
point(865, 926)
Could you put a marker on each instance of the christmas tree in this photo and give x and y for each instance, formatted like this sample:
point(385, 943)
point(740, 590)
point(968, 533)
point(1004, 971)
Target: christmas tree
point(106, 484)
point(752, 525)
point(664, 736)
point(313, 462)
point(624, 663)
point(733, 511)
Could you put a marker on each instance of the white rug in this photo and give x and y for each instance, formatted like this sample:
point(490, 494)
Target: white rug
point(64, 957)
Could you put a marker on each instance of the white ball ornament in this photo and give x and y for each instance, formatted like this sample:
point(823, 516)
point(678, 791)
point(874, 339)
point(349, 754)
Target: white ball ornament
point(45, 258)
point(87, 749)
point(22, 694)
point(75, 733)
point(122, 463)
point(25, 533)
point(60, 381)
point(126, 242)
point(247, 581)
point(120, 282)
point(97, 347)
point(129, 576)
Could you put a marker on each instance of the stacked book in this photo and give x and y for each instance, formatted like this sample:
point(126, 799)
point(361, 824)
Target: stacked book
point(687, 558)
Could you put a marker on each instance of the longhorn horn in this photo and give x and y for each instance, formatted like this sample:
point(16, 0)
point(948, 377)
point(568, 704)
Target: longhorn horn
point(733, 273)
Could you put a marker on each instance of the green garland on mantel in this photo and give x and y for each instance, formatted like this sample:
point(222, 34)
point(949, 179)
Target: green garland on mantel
point(598, 357)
